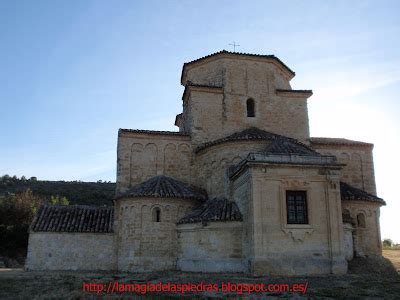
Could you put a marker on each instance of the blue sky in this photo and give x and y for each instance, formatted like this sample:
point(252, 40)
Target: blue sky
point(73, 72)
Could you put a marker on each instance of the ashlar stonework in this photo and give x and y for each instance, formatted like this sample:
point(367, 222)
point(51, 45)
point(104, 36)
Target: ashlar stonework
point(241, 187)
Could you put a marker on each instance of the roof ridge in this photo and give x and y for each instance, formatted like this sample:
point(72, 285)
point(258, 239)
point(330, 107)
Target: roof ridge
point(252, 133)
point(145, 131)
point(162, 186)
point(337, 141)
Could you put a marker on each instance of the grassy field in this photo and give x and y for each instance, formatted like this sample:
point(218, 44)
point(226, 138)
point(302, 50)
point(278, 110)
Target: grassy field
point(366, 278)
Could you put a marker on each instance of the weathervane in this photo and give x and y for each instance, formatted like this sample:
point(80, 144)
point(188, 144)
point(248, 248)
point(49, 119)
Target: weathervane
point(234, 46)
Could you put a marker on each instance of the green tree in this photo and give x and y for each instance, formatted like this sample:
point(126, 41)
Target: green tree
point(387, 243)
point(16, 214)
point(57, 200)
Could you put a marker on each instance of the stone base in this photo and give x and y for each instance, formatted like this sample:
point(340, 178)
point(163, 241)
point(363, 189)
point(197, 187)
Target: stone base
point(297, 266)
point(211, 265)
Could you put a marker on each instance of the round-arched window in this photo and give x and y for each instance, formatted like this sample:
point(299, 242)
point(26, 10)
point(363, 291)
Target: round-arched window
point(361, 220)
point(156, 215)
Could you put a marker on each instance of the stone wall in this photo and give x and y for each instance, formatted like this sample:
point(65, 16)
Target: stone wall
point(367, 238)
point(348, 241)
point(276, 247)
point(142, 156)
point(213, 247)
point(142, 243)
point(70, 251)
point(359, 169)
point(243, 79)
point(211, 164)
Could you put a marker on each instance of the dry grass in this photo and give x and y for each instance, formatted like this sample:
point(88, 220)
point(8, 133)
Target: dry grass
point(394, 257)
point(15, 283)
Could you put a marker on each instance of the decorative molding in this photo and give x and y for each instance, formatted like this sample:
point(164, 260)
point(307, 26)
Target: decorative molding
point(298, 234)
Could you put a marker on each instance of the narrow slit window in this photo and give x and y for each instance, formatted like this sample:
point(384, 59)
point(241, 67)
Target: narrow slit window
point(157, 215)
point(250, 108)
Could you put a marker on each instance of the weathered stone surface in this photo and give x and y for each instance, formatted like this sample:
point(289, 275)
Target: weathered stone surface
point(70, 251)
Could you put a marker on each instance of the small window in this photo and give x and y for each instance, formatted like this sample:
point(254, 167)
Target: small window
point(156, 214)
point(361, 220)
point(296, 206)
point(250, 108)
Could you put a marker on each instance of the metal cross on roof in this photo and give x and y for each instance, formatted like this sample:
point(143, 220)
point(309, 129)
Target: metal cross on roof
point(234, 46)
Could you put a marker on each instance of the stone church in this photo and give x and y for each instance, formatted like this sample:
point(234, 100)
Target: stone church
point(241, 187)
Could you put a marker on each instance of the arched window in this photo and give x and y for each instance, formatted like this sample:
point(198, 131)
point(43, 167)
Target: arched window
point(361, 220)
point(251, 112)
point(156, 214)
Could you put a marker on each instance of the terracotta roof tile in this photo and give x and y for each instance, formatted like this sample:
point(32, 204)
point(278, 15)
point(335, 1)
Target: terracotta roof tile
point(349, 193)
point(164, 187)
point(217, 209)
point(336, 141)
point(247, 134)
point(289, 146)
point(73, 218)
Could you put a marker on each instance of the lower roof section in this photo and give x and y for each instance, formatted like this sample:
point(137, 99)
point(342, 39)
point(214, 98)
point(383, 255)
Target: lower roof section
point(351, 193)
point(73, 218)
point(217, 210)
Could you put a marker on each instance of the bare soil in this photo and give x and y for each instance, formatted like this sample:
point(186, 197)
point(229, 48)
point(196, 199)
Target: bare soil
point(368, 278)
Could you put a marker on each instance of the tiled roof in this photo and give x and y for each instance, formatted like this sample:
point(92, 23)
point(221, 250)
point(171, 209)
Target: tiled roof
point(73, 218)
point(164, 187)
point(247, 134)
point(217, 209)
point(152, 132)
point(224, 52)
point(289, 146)
point(349, 193)
point(336, 141)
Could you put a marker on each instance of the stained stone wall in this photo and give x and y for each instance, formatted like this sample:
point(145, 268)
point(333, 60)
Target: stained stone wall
point(367, 239)
point(211, 247)
point(142, 156)
point(359, 169)
point(70, 251)
point(210, 165)
point(142, 243)
point(242, 79)
point(314, 248)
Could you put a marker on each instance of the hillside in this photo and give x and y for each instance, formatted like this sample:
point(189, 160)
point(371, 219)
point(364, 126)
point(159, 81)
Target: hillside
point(77, 192)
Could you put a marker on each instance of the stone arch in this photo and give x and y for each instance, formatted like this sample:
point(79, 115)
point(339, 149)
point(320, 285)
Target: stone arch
point(150, 161)
point(184, 160)
point(344, 158)
point(361, 223)
point(135, 168)
point(170, 157)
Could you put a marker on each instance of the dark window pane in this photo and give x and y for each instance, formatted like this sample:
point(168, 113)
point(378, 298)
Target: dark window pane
point(296, 205)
